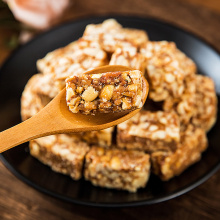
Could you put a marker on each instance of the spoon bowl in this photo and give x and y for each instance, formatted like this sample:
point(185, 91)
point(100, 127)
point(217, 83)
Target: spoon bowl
point(56, 118)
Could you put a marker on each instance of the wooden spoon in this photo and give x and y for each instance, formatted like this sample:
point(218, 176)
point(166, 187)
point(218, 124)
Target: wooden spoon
point(56, 118)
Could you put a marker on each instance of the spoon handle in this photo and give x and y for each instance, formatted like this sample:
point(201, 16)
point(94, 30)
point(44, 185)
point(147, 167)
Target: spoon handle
point(37, 126)
point(46, 122)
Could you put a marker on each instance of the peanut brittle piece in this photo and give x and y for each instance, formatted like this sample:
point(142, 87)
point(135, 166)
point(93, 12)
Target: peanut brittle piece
point(198, 104)
point(63, 153)
point(100, 138)
point(37, 93)
point(128, 57)
point(105, 92)
point(123, 38)
point(75, 58)
point(184, 106)
point(205, 103)
point(169, 164)
point(111, 35)
point(94, 31)
point(118, 169)
point(150, 132)
point(166, 69)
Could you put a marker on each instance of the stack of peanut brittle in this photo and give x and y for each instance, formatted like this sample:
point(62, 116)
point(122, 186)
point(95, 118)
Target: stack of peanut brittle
point(165, 141)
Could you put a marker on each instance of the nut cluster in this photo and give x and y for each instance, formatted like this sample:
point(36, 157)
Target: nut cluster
point(205, 103)
point(167, 164)
point(113, 167)
point(74, 59)
point(58, 150)
point(150, 131)
point(105, 92)
point(128, 57)
point(167, 68)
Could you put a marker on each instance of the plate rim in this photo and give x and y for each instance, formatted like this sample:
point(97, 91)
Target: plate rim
point(155, 200)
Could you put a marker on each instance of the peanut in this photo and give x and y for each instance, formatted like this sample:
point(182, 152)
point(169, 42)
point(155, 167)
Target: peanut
point(115, 163)
point(89, 94)
point(126, 103)
point(69, 94)
point(106, 92)
point(79, 89)
point(133, 88)
point(73, 101)
point(96, 76)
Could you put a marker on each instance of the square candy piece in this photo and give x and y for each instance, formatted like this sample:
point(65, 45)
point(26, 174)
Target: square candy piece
point(128, 57)
point(93, 32)
point(111, 35)
point(101, 137)
point(166, 69)
point(205, 103)
point(150, 132)
point(184, 106)
point(63, 153)
point(118, 169)
point(105, 92)
point(44, 65)
point(169, 164)
point(74, 58)
point(123, 38)
point(198, 104)
point(38, 92)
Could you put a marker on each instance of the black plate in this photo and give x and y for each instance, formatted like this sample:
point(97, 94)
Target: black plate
point(22, 65)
